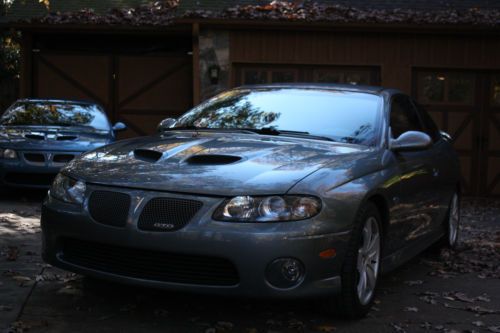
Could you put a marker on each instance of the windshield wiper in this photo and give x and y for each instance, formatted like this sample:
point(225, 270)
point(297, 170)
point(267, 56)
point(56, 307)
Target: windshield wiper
point(196, 128)
point(274, 131)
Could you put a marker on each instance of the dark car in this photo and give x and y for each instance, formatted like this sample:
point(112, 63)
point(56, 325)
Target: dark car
point(38, 137)
point(265, 191)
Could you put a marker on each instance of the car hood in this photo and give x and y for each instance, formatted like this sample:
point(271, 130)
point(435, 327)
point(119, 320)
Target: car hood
point(212, 164)
point(51, 138)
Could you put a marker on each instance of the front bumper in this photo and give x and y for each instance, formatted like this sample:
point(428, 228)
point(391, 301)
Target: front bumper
point(25, 173)
point(249, 247)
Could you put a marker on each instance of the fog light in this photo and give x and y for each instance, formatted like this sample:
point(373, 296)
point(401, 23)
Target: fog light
point(291, 270)
point(285, 272)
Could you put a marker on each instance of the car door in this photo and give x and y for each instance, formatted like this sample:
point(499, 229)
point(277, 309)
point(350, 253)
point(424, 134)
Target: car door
point(442, 157)
point(412, 210)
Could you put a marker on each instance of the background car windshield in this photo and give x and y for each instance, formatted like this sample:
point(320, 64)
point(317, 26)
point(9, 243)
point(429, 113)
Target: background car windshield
point(343, 116)
point(55, 114)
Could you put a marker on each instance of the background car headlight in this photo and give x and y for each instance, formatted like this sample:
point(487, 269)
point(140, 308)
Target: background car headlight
point(8, 154)
point(267, 209)
point(67, 189)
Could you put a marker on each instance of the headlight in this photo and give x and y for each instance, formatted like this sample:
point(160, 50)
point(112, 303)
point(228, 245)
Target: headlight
point(267, 209)
point(8, 154)
point(67, 189)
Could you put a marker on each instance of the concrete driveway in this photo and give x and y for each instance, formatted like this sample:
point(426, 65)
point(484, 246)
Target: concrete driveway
point(440, 291)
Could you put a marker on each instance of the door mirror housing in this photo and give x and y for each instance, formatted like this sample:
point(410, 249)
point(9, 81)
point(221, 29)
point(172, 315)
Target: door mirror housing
point(119, 127)
point(411, 141)
point(166, 123)
point(446, 136)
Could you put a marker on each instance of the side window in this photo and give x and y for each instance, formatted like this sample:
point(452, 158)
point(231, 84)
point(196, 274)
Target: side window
point(403, 116)
point(430, 126)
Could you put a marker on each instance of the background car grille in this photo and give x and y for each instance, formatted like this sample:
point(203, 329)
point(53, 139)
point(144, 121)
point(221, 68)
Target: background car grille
point(111, 208)
point(150, 265)
point(167, 214)
point(63, 158)
point(34, 157)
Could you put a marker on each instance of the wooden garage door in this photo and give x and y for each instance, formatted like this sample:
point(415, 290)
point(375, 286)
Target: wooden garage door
point(138, 90)
point(259, 74)
point(151, 88)
point(466, 104)
point(78, 77)
point(490, 140)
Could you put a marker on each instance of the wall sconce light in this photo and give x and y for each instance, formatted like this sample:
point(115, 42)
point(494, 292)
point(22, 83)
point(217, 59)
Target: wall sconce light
point(213, 74)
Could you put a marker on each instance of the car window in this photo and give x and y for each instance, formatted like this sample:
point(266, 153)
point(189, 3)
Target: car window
point(43, 113)
point(403, 116)
point(430, 126)
point(343, 116)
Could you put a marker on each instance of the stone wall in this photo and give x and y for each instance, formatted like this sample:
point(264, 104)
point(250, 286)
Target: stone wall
point(214, 51)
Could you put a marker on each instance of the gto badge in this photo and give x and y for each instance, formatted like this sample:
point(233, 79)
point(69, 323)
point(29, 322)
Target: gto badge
point(167, 226)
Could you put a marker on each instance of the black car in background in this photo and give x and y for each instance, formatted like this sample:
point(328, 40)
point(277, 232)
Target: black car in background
point(38, 137)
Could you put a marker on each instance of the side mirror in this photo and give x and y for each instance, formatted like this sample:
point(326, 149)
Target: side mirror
point(411, 140)
point(119, 126)
point(165, 123)
point(446, 136)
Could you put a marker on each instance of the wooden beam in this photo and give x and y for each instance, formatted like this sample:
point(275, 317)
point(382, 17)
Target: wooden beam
point(26, 66)
point(196, 65)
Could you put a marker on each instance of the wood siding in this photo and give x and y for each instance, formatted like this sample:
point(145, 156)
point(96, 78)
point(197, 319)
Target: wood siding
point(396, 54)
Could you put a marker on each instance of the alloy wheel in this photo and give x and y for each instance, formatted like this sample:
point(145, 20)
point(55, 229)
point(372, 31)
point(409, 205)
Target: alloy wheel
point(453, 221)
point(368, 260)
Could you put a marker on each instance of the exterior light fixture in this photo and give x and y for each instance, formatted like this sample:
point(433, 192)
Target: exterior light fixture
point(213, 74)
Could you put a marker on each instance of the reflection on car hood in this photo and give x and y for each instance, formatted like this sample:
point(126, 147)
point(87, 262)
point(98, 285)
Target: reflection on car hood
point(51, 138)
point(211, 163)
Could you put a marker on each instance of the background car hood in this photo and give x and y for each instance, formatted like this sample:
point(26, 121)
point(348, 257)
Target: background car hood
point(212, 163)
point(54, 139)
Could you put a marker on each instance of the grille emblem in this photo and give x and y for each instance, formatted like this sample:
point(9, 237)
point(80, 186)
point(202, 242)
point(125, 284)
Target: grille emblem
point(166, 226)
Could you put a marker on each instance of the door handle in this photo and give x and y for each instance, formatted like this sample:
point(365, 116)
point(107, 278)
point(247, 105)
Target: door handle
point(435, 172)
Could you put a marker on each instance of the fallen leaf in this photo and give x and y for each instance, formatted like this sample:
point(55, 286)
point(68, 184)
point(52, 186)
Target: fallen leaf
point(224, 326)
point(6, 308)
point(411, 309)
point(414, 283)
point(325, 328)
point(12, 253)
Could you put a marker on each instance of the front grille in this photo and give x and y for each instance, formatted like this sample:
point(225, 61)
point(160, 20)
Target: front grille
point(109, 208)
point(37, 179)
point(63, 158)
point(150, 265)
point(34, 157)
point(167, 214)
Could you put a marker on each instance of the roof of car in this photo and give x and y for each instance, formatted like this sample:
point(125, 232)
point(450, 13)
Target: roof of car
point(58, 101)
point(323, 86)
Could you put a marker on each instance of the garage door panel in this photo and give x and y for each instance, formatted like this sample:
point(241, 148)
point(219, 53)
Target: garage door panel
point(137, 73)
point(71, 77)
point(461, 128)
point(140, 124)
point(172, 94)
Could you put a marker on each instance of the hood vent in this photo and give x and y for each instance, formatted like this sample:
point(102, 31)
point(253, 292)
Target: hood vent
point(212, 159)
point(66, 138)
point(34, 136)
point(147, 155)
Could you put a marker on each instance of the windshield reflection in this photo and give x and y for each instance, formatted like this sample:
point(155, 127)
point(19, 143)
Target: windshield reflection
point(343, 116)
point(55, 114)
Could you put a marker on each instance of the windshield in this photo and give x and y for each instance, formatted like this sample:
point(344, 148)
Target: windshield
point(343, 116)
point(55, 114)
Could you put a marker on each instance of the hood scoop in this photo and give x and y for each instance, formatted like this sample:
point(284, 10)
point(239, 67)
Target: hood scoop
point(66, 137)
point(212, 159)
point(34, 136)
point(147, 155)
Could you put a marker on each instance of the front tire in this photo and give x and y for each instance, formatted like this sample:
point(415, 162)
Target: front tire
point(361, 266)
